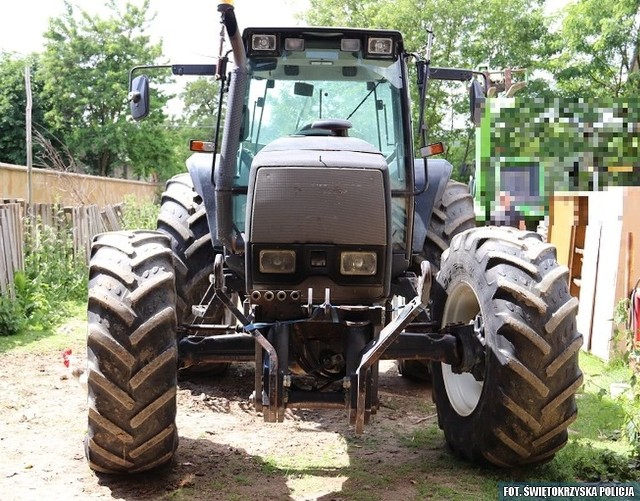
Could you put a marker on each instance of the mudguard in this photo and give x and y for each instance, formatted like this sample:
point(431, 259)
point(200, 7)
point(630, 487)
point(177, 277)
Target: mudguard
point(199, 165)
point(439, 172)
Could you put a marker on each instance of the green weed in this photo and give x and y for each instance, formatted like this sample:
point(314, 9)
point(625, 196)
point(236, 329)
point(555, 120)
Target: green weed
point(12, 320)
point(429, 437)
point(52, 276)
point(138, 215)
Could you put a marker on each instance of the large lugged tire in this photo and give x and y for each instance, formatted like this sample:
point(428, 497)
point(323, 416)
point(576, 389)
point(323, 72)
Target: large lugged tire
point(132, 353)
point(519, 412)
point(453, 215)
point(184, 219)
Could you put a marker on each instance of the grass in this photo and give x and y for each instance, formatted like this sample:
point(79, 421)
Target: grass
point(53, 338)
point(425, 438)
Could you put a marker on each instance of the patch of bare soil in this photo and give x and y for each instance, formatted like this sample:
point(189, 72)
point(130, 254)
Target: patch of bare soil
point(226, 451)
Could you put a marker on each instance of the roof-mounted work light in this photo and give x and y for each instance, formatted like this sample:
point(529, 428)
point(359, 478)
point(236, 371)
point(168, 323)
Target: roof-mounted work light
point(264, 44)
point(294, 44)
point(380, 47)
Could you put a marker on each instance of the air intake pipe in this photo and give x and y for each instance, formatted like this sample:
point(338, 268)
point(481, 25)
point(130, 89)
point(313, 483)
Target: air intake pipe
point(223, 177)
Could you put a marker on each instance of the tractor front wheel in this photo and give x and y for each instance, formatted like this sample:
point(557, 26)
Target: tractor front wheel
point(515, 406)
point(453, 215)
point(183, 219)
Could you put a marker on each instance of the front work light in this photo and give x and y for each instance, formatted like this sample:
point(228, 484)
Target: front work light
point(378, 46)
point(263, 43)
point(358, 263)
point(277, 261)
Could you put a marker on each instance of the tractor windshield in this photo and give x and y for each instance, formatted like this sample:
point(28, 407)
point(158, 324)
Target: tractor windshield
point(287, 99)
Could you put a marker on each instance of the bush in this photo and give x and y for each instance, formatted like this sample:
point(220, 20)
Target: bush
point(53, 273)
point(52, 276)
point(12, 320)
point(139, 216)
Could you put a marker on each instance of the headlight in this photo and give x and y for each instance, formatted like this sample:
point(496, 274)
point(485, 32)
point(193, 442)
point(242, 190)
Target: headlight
point(277, 261)
point(358, 263)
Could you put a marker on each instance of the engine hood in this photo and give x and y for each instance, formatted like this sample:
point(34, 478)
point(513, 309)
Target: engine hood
point(312, 151)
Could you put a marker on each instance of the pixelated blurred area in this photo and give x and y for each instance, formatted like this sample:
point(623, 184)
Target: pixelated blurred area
point(533, 147)
point(581, 144)
point(569, 169)
point(505, 213)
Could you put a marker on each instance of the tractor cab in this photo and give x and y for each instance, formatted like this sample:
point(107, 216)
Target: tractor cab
point(324, 119)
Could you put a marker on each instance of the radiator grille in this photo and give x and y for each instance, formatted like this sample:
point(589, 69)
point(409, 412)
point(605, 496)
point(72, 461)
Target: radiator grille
point(319, 205)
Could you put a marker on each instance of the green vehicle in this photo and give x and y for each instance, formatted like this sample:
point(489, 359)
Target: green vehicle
point(523, 178)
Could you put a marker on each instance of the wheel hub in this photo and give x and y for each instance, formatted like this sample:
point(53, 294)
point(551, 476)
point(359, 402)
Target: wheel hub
point(464, 384)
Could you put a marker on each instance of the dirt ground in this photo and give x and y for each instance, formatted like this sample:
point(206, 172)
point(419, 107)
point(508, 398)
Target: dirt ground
point(226, 451)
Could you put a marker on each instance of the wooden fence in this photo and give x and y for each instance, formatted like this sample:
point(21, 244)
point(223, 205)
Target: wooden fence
point(18, 220)
point(67, 188)
point(11, 245)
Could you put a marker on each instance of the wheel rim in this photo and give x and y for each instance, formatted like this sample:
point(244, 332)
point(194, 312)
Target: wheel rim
point(462, 389)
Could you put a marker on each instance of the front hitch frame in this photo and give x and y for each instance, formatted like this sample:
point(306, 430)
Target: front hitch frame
point(387, 336)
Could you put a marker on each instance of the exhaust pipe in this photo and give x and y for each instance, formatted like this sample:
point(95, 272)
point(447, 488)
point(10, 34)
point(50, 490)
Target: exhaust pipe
point(231, 136)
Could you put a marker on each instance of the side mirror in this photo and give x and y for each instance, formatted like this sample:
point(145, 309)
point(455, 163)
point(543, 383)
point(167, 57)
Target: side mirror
point(139, 97)
point(476, 101)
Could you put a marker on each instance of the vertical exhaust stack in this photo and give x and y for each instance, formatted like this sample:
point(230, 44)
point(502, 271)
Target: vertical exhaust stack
point(231, 136)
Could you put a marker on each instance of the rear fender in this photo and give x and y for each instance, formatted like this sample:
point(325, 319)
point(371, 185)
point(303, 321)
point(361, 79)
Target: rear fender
point(439, 172)
point(199, 165)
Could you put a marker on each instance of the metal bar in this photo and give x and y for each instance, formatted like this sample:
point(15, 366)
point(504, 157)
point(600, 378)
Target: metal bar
point(217, 328)
point(281, 342)
point(316, 400)
point(424, 346)
point(460, 75)
point(226, 348)
point(257, 381)
point(145, 67)
point(194, 69)
point(266, 346)
point(371, 400)
point(356, 341)
point(372, 355)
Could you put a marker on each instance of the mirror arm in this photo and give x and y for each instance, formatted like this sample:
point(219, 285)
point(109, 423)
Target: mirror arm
point(144, 67)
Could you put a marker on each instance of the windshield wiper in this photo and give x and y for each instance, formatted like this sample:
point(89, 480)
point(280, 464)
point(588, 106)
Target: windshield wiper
point(364, 99)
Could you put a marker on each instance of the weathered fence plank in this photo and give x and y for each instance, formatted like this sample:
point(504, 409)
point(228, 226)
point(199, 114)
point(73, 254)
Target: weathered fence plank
point(83, 223)
point(11, 245)
point(68, 188)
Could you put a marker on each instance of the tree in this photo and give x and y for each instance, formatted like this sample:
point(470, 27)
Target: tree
point(84, 73)
point(200, 99)
point(13, 103)
point(599, 47)
point(493, 33)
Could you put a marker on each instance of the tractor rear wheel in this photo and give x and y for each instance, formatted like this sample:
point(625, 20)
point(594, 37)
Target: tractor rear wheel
point(515, 406)
point(131, 352)
point(184, 219)
point(453, 215)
